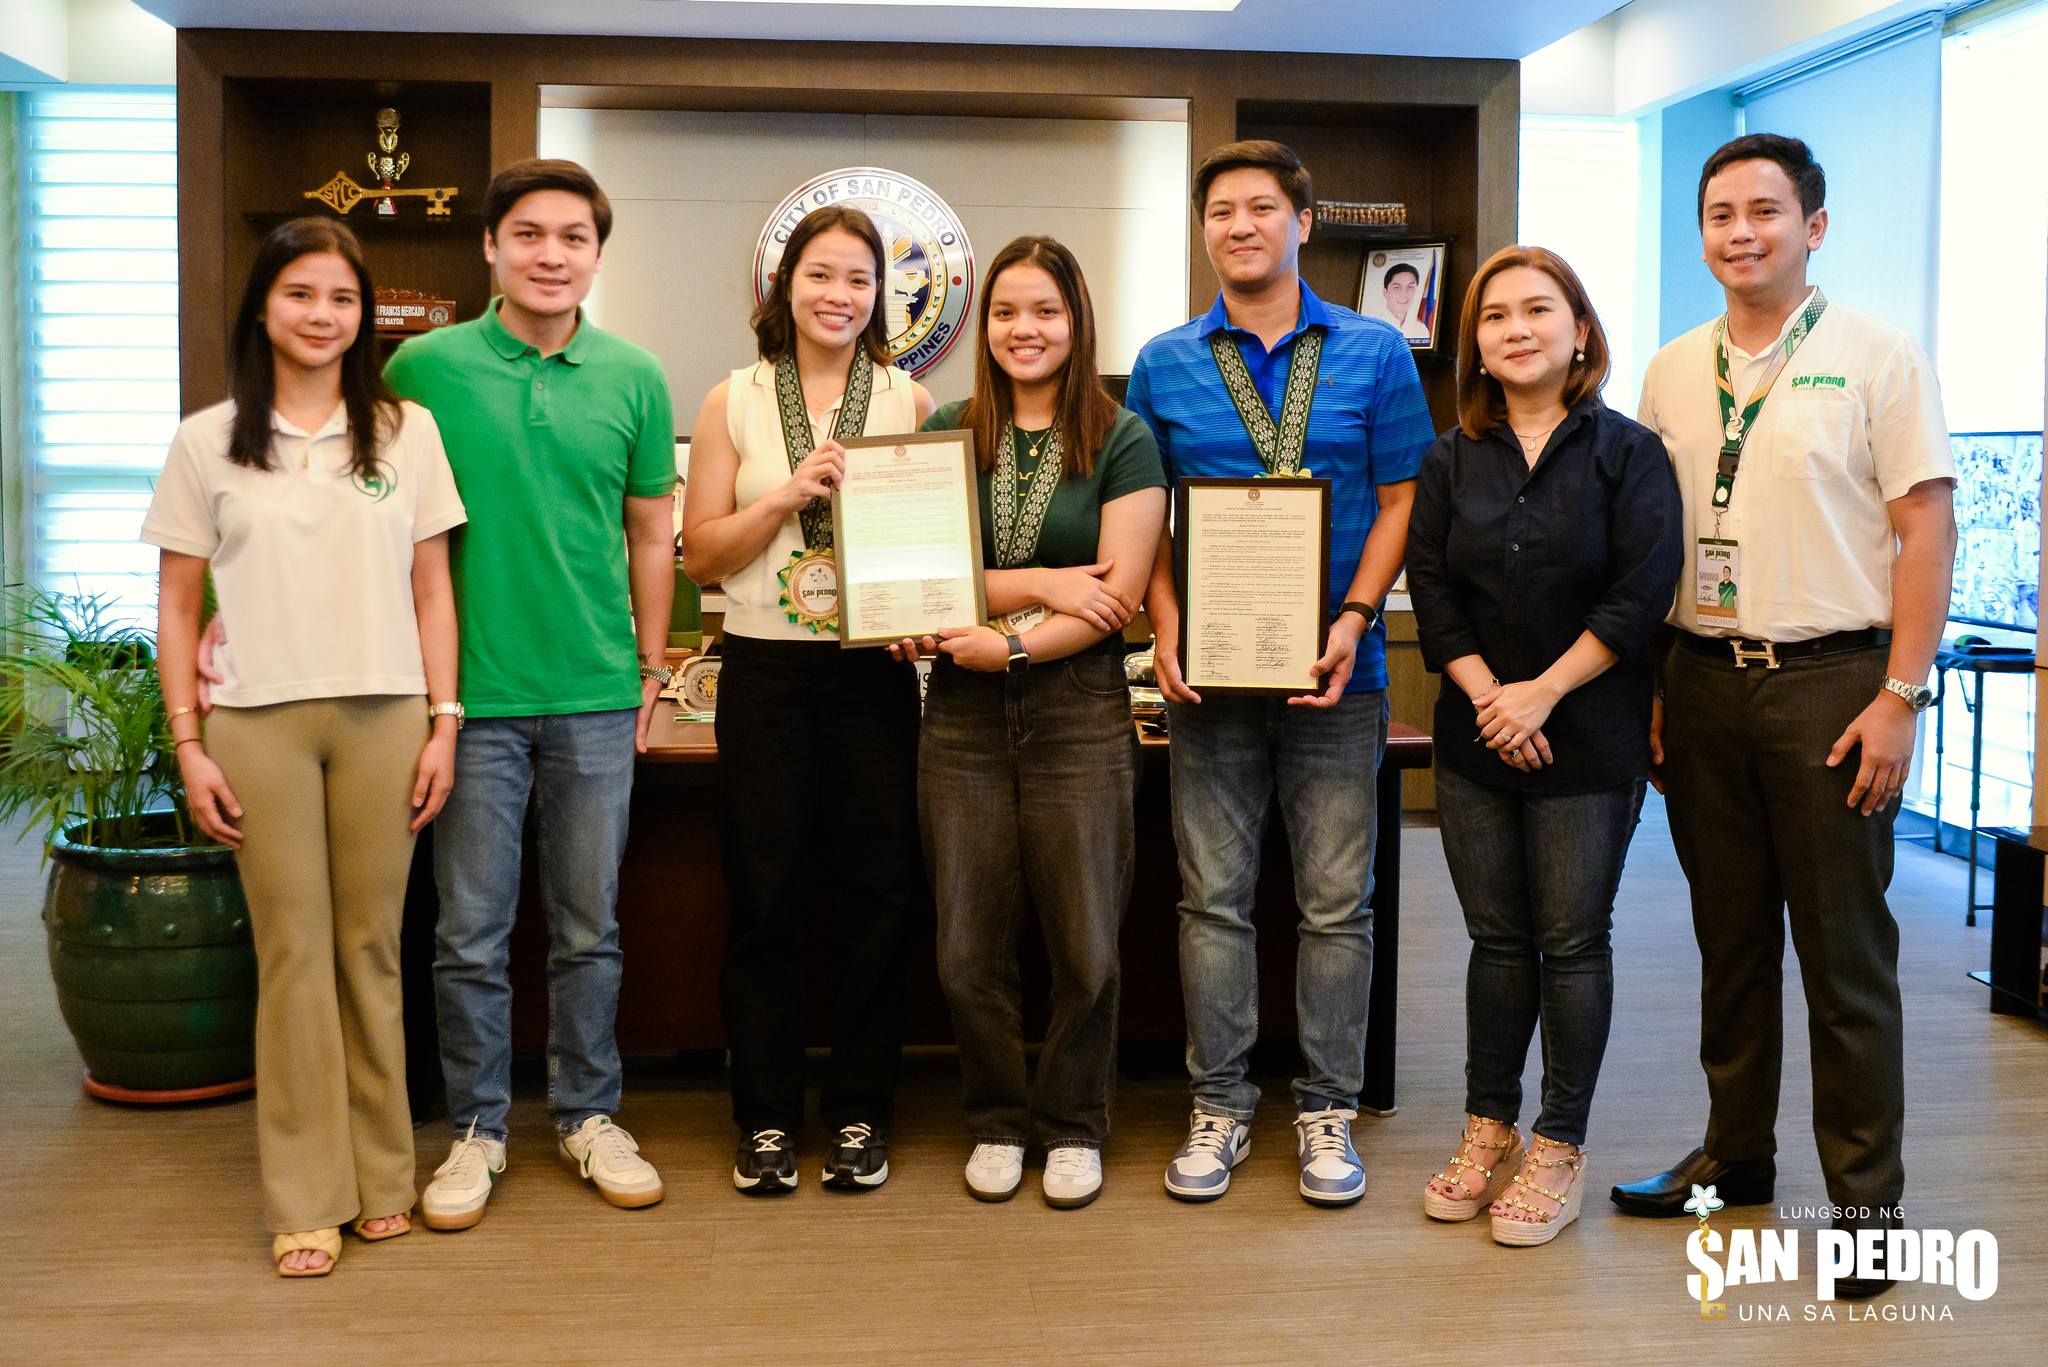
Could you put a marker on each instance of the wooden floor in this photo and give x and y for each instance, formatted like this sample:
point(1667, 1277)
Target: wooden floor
point(134, 1236)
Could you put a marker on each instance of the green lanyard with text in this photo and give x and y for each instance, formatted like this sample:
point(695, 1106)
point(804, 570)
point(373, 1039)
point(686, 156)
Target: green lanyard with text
point(1736, 427)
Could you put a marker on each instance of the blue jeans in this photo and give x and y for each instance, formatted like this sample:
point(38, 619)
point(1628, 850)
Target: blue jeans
point(577, 771)
point(1231, 758)
point(1536, 876)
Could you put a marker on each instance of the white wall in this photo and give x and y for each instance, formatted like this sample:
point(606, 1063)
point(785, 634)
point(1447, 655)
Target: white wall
point(1665, 50)
point(115, 42)
point(1651, 53)
point(692, 190)
point(1574, 75)
point(33, 42)
point(84, 42)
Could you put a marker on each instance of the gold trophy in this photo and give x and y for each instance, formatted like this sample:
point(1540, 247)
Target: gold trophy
point(387, 163)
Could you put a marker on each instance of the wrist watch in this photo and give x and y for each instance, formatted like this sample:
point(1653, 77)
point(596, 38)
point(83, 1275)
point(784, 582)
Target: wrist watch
point(1020, 658)
point(1917, 696)
point(1370, 613)
point(446, 709)
point(662, 672)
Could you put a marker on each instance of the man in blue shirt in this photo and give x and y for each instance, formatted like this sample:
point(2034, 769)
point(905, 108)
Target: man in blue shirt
point(1367, 430)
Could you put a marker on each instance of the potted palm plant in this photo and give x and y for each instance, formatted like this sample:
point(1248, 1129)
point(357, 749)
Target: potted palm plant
point(148, 932)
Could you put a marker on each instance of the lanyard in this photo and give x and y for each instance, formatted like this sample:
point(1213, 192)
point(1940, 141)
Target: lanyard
point(1736, 427)
point(816, 516)
point(1020, 517)
point(1280, 445)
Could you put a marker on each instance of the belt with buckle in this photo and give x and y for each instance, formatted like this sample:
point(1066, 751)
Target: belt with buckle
point(1771, 654)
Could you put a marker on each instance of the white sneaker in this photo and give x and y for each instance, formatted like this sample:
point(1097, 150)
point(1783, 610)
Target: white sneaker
point(607, 1155)
point(455, 1198)
point(995, 1171)
point(1073, 1176)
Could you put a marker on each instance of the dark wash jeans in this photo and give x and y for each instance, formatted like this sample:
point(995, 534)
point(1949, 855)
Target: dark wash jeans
point(1027, 783)
point(1536, 875)
point(817, 775)
point(1765, 834)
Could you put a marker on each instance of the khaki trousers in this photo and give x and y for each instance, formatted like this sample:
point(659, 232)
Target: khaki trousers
point(325, 787)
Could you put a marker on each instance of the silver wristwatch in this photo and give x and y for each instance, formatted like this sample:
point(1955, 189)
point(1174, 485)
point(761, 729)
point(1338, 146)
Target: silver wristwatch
point(1917, 696)
point(446, 709)
point(663, 673)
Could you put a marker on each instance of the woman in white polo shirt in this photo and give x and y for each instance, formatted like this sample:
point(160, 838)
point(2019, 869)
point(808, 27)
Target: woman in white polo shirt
point(322, 506)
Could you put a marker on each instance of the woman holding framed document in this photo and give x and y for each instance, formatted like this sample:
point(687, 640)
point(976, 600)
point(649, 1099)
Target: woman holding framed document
point(1542, 553)
point(1027, 768)
point(817, 745)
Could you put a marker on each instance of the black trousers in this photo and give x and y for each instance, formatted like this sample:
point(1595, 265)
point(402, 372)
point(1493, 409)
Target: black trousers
point(817, 765)
point(1765, 835)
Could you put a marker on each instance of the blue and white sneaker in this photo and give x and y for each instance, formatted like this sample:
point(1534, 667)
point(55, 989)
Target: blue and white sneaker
point(1331, 1174)
point(1200, 1171)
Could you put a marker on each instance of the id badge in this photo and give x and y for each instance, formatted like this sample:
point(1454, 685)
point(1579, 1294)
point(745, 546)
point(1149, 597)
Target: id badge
point(1716, 580)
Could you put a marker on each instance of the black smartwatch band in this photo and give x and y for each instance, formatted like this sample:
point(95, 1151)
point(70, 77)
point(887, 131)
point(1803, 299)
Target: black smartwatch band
point(1370, 613)
point(1020, 658)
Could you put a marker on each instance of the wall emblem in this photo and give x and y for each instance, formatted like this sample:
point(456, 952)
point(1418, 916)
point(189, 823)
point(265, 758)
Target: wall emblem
point(929, 284)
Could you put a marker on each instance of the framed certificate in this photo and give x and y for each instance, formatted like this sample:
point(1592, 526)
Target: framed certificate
point(1253, 564)
point(906, 528)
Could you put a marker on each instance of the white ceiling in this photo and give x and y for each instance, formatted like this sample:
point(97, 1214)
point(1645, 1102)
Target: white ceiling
point(1422, 28)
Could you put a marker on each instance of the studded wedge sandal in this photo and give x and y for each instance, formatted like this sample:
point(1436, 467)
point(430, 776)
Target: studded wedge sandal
point(1493, 1176)
point(1546, 1225)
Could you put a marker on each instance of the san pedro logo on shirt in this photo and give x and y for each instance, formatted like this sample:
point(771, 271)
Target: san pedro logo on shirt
point(928, 281)
point(375, 484)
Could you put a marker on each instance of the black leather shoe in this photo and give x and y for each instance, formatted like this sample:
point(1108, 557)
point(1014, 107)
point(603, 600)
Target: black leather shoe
point(1862, 1288)
point(1665, 1195)
point(765, 1164)
point(859, 1161)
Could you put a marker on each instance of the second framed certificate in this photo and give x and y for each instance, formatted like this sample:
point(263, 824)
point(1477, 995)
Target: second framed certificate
point(1253, 563)
point(906, 525)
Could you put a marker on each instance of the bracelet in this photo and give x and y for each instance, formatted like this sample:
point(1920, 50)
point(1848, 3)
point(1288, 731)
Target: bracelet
point(189, 740)
point(178, 712)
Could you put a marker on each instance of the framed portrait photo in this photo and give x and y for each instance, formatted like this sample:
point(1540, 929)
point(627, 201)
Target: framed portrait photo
point(1403, 285)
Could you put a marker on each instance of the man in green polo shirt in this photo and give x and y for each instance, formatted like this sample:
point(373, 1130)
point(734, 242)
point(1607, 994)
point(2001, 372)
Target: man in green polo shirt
point(563, 446)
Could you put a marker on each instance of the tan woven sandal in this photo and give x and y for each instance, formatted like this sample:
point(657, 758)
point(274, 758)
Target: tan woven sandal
point(1494, 1176)
point(326, 1241)
point(355, 1226)
point(1547, 1225)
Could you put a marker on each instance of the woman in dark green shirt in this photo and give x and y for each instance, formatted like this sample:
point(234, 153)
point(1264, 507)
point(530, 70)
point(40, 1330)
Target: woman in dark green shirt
point(1027, 762)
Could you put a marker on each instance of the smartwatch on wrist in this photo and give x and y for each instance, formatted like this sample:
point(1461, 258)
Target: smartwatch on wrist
point(1370, 613)
point(1020, 658)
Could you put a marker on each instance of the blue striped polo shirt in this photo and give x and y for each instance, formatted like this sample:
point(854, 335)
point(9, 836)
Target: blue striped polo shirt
point(1369, 424)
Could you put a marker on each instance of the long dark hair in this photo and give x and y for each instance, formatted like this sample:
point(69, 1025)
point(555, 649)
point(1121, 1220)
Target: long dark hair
point(775, 317)
point(252, 375)
point(1085, 410)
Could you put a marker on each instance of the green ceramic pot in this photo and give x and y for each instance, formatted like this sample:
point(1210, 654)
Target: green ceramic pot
point(154, 966)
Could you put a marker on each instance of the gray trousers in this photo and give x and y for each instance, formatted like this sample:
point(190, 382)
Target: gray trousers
point(1766, 837)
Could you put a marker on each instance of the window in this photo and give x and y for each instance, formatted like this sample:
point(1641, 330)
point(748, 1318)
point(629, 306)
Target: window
point(1994, 222)
point(1579, 194)
point(99, 316)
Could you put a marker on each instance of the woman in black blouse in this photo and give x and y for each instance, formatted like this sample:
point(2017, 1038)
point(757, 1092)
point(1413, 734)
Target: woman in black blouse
point(1543, 551)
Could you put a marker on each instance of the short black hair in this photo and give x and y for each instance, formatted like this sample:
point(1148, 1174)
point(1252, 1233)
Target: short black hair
point(1277, 159)
point(1792, 156)
point(522, 178)
point(1395, 270)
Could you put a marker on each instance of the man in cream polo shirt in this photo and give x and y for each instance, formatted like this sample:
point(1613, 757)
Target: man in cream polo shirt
point(1813, 462)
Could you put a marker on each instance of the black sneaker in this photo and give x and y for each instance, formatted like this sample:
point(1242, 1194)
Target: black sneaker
point(859, 1161)
point(765, 1164)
